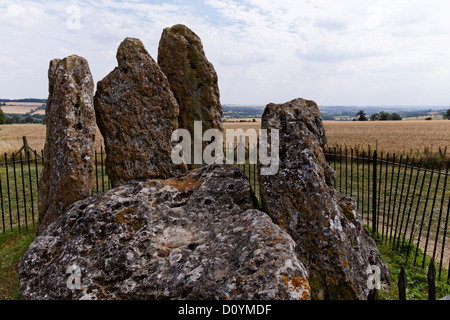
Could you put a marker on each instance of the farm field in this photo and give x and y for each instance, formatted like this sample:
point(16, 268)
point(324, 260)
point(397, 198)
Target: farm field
point(11, 137)
point(22, 107)
point(392, 136)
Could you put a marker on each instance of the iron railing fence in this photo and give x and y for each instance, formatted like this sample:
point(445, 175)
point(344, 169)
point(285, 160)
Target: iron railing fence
point(19, 180)
point(402, 200)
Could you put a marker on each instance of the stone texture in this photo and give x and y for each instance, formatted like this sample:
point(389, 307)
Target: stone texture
point(332, 241)
point(70, 135)
point(136, 114)
point(197, 236)
point(192, 79)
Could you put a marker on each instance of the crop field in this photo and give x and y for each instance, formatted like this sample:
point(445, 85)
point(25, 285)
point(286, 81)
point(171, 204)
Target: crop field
point(414, 138)
point(408, 137)
point(11, 137)
point(22, 107)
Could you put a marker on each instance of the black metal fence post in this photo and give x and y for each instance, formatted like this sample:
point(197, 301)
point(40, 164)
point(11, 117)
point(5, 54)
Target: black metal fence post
point(402, 283)
point(374, 194)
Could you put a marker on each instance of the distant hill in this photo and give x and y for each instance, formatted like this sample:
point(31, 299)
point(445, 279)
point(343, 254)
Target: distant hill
point(25, 100)
point(341, 112)
point(239, 112)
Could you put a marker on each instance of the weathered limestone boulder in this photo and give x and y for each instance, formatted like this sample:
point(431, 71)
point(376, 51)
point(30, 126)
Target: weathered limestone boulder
point(332, 242)
point(192, 79)
point(70, 135)
point(136, 114)
point(197, 236)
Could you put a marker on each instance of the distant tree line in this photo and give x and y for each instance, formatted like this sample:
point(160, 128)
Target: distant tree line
point(3, 117)
point(11, 118)
point(24, 100)
point(447, 115)
point(382, 116)
point(30, 117)
point(25, 118)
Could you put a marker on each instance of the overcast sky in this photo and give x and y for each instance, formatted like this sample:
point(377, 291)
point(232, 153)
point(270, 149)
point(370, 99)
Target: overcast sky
point(346, 52)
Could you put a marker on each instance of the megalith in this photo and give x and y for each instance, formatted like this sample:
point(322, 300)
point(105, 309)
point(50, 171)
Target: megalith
point(70, 136)
point(192, 79)
point(196, 236)
point(136, 113)
point(331, 239)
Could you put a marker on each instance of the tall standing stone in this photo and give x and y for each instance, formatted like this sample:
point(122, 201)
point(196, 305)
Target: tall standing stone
point(69, 144)
point(192, 79)
point(332, 242)
point(136, 113)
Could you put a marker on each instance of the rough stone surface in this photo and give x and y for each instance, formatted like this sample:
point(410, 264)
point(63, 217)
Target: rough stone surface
point(192, 78)
point(69, 144)
point(197, 236)
point(332, 241)
point(136, 114)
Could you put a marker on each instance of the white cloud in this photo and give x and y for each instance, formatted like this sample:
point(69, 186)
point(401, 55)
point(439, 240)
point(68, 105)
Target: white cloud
point(335, 52)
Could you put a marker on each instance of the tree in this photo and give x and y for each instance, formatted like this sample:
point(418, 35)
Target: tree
point(361, 116)
point(395, 116)
point(2, 117)
point(383, 116)
point(447, 115)
point(375, 117)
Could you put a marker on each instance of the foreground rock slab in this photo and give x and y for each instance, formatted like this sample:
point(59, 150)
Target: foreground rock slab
point(332, 242)
point(70, 136)
point(136, 114)
point(193, 237)
point(192, 79)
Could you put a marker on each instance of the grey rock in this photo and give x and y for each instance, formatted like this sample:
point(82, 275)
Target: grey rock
point(136, 114)
point(69, 142)
point(332, 242)
point(192, 79)
point(197, 236)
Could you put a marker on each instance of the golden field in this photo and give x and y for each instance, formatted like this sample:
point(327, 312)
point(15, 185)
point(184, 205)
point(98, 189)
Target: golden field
point(22, 107)
point(11, 137)
point(392, 136)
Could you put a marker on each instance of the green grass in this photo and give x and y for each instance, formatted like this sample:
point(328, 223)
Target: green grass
point(417, 283)
point(14, 243)
point(409, 201)
point(12, 246)
point(18, 197)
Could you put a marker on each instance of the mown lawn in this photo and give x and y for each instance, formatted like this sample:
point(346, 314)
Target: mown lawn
point(12, 246)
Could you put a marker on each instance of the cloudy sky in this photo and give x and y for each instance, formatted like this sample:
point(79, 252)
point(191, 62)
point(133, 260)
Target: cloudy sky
point(346, 52)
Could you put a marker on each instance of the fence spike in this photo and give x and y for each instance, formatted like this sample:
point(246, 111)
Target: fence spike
point(402, 284)
point(431, 277)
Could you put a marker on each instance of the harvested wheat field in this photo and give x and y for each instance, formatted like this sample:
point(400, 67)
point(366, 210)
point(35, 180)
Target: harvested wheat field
point(11, 137)
point(22, 107)
point(392, 136)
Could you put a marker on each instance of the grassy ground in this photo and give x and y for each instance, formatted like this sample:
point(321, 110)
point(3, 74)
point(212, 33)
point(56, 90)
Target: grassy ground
point(18, 198)
point(410, 201)
point(417, 284)
point(12, 246)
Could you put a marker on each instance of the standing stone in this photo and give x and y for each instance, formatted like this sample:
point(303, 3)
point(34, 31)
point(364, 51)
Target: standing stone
point(192, 79)
point(332, 242)
point(136, 114)
point(69, 144)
